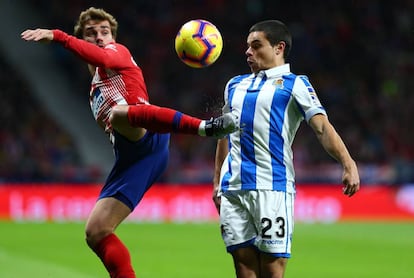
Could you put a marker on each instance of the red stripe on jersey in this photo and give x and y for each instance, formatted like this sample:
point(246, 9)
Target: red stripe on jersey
point(118, 77)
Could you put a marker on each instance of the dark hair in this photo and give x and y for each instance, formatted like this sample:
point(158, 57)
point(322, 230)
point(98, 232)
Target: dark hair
point(94, 14)
point(275, 31)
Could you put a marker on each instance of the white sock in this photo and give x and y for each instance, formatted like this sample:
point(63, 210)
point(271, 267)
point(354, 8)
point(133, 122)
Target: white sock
point(202, 128)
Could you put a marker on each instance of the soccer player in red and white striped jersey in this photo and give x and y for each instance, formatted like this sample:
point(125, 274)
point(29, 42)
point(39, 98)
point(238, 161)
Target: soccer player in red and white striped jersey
point(139, 131)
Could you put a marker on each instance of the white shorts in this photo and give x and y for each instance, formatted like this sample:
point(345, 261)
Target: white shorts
point(261, 218)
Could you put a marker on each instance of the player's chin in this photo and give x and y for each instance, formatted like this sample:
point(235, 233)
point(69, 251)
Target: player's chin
point(254, 70)
point(253, 67)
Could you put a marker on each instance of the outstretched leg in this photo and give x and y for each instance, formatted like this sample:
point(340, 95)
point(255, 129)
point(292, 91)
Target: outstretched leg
point(166, 120)
point(161, 119)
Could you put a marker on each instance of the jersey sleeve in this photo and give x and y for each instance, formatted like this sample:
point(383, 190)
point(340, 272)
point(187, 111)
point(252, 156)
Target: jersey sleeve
point(229, 92)
point(226, 106)
point(111, 56)
point(306, 98)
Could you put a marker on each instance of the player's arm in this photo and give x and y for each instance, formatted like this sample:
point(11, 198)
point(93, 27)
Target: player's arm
point(221, 153)
point(108, 57)
point(335, 147)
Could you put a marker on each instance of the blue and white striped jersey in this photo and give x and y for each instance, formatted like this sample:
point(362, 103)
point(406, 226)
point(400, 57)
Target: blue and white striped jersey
point(270, 106)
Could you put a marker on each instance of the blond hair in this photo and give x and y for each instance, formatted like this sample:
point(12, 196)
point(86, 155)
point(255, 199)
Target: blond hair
point(94, 14)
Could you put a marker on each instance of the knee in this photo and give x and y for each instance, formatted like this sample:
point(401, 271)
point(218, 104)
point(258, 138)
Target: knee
point(93, 235)
point(273, 266)
point(119, 115)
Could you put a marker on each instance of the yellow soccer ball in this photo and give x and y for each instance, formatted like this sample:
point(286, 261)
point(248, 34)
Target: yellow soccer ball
point(198, 43)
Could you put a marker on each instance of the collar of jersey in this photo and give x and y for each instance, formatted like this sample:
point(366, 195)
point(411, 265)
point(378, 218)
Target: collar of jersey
point(276, 71)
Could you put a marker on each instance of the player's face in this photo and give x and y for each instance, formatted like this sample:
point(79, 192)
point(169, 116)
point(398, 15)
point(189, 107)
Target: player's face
point(98, 32)
point(261, 55)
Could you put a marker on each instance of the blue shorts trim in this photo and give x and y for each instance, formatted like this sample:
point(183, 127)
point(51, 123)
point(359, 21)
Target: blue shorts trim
point(241, 245)
point(137, 166)
point(249, 243)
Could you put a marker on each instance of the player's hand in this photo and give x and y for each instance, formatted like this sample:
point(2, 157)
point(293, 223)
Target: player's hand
point(351, 181)
point(37, 35)
point(216, 199)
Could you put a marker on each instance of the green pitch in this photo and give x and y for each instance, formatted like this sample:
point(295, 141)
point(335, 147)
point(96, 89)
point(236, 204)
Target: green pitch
point(196, 251)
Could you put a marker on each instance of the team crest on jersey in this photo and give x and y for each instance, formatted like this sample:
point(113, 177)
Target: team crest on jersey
point(278, 83)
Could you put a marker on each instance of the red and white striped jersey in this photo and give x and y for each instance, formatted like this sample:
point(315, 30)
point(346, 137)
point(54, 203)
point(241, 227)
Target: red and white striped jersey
point(117, 79)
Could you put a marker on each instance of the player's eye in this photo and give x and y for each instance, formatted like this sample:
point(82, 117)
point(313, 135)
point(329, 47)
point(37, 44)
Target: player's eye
point(255, 45)
point(90, 33)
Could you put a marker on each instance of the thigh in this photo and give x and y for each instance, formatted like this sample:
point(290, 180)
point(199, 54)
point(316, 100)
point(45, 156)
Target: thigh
point(137, 166)
point(119, 121)
point(106, 215)
point(246, 262)
point(249, 262)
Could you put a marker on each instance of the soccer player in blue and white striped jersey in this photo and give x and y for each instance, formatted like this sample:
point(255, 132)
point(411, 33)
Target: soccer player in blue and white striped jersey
point(254, 179)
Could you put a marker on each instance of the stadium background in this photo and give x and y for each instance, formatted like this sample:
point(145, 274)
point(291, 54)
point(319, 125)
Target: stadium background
point(358, 54)
point(359, 57)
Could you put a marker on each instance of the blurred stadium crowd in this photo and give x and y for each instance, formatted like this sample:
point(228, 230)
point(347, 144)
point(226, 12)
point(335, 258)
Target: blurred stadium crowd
point(33, 147)
point(357, 54)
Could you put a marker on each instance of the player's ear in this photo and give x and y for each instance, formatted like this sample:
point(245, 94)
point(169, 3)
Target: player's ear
point(280, 47)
